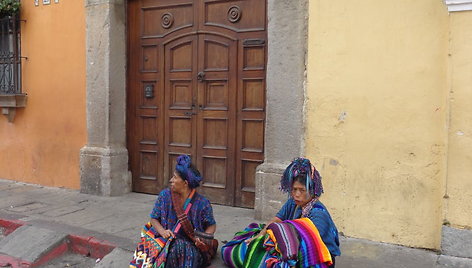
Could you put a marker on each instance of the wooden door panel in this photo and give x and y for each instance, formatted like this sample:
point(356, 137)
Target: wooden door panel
point(252, 135)
point(161, 19)
point(180, 96)
point(253, 95)
point(216, 95)
point(252, 56)
point(179, 131)
point(248, 178)
point(215, 132)
point(217, 116)
point(144, 106)
point(149, 124)
point(147, 156)
point(214, 172)
point(149, 58)
point(216, 56)
point(239, 16)
point(148, 164)
point(180, 57)
point(196, 86)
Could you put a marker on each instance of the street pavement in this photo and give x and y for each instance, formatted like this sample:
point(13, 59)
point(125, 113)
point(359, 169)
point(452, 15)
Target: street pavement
point(111, 226)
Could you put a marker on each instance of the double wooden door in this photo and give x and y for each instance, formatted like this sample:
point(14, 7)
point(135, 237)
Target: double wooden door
point(196, 86)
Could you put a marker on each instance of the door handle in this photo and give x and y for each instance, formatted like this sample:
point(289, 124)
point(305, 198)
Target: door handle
point(201, 76)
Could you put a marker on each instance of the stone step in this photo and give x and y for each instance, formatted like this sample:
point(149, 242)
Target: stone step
point(29, 245)
point(445, 261)
point(32, 245)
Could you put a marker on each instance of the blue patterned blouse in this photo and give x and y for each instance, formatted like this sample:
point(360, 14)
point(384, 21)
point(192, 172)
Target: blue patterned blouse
point(319, 215)
point(200, 214)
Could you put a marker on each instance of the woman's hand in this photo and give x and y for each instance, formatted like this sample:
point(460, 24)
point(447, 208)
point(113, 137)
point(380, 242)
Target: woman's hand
point(261, 233)
point(167, 233)
point(162, 232)
point(200, 244)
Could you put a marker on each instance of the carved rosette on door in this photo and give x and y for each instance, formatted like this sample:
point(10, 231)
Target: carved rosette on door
point(196, 85)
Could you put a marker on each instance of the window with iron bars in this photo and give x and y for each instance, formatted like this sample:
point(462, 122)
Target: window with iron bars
point(10, 55)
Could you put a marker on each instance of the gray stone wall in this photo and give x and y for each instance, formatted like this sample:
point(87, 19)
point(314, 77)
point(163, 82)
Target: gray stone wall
point(104, 160)
point(269, 199)
point(286, 82)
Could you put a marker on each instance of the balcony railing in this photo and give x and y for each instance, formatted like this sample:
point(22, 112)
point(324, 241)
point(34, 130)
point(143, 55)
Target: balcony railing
point(10, 55)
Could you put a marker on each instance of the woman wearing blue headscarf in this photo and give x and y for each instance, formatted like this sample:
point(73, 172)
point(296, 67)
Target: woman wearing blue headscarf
point(171, 244)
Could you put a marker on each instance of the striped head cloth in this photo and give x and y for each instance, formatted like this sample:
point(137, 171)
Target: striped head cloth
point(302, 167)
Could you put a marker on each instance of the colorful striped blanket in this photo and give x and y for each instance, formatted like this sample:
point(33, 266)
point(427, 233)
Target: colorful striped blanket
point(292, 243)
point(234, 252)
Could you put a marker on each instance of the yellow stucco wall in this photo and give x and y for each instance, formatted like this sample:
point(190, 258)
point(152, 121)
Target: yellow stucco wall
point(42, 144)
point(376, 115)
point(458, 207)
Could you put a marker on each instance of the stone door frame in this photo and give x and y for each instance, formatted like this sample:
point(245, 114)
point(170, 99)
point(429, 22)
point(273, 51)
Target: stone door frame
point(104, 159)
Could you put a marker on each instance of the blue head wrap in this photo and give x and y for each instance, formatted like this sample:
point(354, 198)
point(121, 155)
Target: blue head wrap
point(187, 172)
point(302, 167)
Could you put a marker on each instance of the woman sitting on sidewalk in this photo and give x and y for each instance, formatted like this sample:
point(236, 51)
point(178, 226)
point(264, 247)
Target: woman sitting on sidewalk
point(180, 233)
point(302, 234)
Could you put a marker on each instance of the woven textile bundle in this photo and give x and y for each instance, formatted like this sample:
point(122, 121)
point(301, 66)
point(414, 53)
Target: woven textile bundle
point(234, 252)
point(291, 243)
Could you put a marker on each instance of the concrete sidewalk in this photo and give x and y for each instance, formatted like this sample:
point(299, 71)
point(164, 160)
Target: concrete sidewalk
point(117, 221)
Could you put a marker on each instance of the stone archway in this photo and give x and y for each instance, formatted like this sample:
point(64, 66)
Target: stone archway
point(104, 159)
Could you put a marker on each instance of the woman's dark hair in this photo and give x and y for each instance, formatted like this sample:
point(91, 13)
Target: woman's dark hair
point(301, 179)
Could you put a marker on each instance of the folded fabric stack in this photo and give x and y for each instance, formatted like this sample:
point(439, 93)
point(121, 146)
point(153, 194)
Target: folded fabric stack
point(284, 238)
point(312, 251)
point(292, 243)
point(234, 252)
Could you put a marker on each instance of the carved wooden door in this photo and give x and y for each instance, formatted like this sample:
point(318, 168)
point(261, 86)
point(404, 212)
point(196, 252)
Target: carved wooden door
point(196, 85)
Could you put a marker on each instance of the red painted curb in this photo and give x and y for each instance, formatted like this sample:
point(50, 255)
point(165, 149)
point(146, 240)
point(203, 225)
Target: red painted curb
point(54, 253)
point(84, 245)
point(8, 261)
point(90, 246)
point(10, 225)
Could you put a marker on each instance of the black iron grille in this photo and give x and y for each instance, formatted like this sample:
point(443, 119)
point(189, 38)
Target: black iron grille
point(10, 55)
